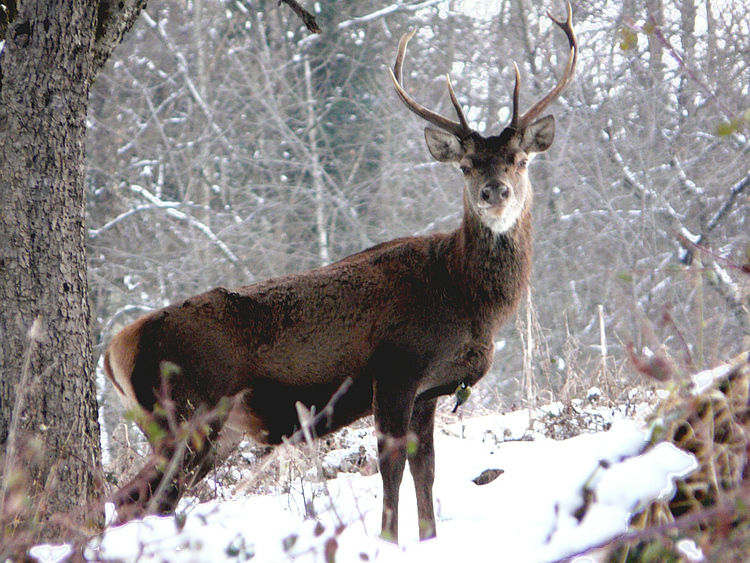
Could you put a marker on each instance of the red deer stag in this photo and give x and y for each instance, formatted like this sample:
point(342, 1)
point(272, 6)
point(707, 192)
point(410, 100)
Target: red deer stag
point(401, 323)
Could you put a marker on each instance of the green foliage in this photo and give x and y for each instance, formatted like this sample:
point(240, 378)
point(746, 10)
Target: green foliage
point(653, 552)
point(734, 125)
point(168, 370)
point(387, 536)
point(628, 39)
point(627, 277)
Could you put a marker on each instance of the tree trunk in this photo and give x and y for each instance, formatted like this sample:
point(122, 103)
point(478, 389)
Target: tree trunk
point(51, 54)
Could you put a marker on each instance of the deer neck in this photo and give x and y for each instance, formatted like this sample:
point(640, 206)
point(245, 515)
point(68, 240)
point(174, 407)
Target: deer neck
point(492, 269)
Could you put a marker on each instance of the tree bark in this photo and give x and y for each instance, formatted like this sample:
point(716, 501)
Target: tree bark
point(52, 53)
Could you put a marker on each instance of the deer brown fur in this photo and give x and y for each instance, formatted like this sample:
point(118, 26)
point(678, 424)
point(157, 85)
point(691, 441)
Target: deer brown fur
point(403, 323)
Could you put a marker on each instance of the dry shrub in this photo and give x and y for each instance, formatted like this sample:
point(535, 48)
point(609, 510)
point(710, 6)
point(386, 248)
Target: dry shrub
point(253, 468)
point(710, 506)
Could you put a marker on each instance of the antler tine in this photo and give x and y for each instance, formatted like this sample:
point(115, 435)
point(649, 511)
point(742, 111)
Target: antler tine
point(516, 94)
point(533, 112)
point(397, 67)
point(461, 117)
point(459, 128)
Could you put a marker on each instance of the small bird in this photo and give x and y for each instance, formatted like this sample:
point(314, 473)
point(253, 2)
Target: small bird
point(463, 392)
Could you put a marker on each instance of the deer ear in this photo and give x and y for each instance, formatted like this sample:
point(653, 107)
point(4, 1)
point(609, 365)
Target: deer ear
point(444, 146)
point(539, 135)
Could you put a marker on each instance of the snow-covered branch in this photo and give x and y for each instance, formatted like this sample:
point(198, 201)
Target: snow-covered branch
point(171, 210)
point(393, 8)
point(93, 233)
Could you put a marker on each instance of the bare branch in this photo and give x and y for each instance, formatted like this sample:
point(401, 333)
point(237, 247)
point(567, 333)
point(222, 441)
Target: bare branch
point(736, 190)
point(202, 227)
point(93, 233)
point(24, 385)
point(307, 18)
point(652, 28)
point(183, 66)
point(393, 8)
point(114, 20)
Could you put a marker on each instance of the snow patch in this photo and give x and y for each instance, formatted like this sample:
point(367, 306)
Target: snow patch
point(551, 500)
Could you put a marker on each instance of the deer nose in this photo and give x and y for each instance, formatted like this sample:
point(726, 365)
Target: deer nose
point(494, 192)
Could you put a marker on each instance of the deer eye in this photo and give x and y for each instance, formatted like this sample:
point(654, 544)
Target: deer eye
point(523, 163)
point(465, 165)
point(465, 169)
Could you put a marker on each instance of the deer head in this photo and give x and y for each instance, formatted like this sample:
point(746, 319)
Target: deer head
point(497, 188)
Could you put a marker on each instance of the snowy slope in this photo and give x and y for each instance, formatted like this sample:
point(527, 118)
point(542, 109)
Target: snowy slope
point(534, 511)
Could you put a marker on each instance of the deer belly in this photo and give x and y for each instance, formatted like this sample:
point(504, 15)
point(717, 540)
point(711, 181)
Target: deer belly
point(267, 411)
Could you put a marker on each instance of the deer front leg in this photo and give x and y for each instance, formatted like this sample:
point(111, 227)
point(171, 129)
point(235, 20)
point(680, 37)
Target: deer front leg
point(392, 460)
point(394, 391)
point(421, 457)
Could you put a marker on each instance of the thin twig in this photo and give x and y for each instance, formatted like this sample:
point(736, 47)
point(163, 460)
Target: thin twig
point(723, 510)
point(15, 420)
point(326, 412)
point(681, 62)
point(167, 477)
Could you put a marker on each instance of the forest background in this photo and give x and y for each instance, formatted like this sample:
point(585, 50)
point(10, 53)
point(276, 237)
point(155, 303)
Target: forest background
point(227, 145)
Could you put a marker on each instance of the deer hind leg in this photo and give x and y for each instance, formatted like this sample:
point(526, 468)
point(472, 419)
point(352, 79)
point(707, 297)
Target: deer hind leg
point(422, 464)
point(181, 457)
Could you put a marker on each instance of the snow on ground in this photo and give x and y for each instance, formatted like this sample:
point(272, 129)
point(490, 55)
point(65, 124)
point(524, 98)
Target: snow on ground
point(533, 512)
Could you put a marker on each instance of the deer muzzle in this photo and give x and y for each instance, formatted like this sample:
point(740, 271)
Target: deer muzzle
point(493, 193)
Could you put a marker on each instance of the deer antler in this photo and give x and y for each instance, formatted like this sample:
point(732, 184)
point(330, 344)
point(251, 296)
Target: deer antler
point(532, 113)
point(459, 128)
